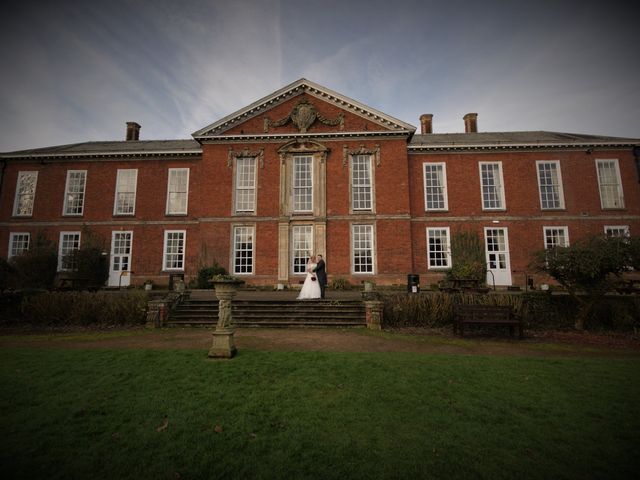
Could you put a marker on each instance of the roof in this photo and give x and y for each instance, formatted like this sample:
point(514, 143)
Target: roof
point(514, 140)
point(142, 148)
point(296, 88)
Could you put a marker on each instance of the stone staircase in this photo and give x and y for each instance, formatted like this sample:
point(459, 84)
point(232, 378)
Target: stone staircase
point(271, 313)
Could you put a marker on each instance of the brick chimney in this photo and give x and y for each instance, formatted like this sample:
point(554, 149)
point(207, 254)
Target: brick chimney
point(133, 131)
point(426, 122)
point(470, 123)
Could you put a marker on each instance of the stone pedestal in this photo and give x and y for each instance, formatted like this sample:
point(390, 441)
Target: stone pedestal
point(223, 345)
point(373, 314)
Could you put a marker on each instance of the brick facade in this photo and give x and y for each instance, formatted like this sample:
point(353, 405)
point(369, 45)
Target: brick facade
point(273, 133)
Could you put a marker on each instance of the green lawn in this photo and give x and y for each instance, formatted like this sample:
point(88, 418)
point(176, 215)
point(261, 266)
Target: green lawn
point(144, 414)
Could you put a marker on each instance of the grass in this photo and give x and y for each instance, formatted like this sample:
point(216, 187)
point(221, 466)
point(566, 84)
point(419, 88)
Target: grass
point(166, 414)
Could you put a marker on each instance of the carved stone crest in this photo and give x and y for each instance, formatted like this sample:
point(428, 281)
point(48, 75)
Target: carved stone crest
point(303, 115)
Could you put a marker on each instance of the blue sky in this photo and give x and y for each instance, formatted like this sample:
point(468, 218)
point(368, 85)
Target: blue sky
point(77, 71)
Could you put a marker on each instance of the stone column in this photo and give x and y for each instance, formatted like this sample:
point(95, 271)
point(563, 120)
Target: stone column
point(223, 345)
point(373, 313)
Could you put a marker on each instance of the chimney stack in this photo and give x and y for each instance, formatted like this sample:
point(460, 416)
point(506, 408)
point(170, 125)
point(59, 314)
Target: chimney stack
point(133, 131)
point(470, 123)
point(426, 122)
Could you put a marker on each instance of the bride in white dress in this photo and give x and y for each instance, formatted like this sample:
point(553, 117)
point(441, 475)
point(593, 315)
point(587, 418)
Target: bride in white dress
point(311, 286)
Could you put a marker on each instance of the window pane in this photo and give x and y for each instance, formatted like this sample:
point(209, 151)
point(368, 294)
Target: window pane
point(491, 186)
point(174, 251)
point(549, 185)
point(243, 249)
point(74, 195)
point(177, 190)
point(361, 182)
point(555, 237)
point(245, 184)
point(69, 243)
point(438, 247)
point(302, 237)
point(126, 192)
point(303, 183)
point(362, 248)
point(609, 181)
point(434, 185)
point(25, 193)
point(19, 244)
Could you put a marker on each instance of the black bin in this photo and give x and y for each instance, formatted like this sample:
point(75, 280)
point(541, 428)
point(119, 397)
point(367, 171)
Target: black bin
point(413, 283)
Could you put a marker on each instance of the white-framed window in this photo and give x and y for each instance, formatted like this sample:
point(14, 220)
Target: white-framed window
point(25, 194)
point(174, 249)
point(491, 183)
point(610, 184)
point(243, 242)
point(438, 248)
point(550, 184)
point(177, 191)
point(302, 246)
point(69, 243)
point(555, 237)
point(361, 184)
point(435, 187)
point(245, 184)
point(302, 183)
point(617, 231)
point(74, 192)
point(362, 249)
point(126, 185)
point(18, 243)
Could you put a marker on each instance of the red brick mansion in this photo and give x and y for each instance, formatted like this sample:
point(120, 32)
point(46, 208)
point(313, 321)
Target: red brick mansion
point(307, 170)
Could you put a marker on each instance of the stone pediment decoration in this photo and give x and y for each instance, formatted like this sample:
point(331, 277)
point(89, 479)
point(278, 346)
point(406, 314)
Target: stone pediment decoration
point(303, 116)
point(244, 153)
point(309, 147)
point(360, 151)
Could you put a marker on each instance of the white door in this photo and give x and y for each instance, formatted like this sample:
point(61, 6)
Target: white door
point(498, 264)
point(119, 273)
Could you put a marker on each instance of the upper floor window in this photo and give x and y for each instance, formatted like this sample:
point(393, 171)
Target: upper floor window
point(302, 240)
point(174, 246)
point(610, 184)
point(18, 243)
point(617, 231)
point(25, 194)
point(177, 191)
point(361, 197)
point(243, 249)
point(74, 192)
point(492, 186)
point(362, 248)
point(303, 183)
point(556, 237)
point(550, 184)
point(245, 184)
point(126, 183)
point(435, 187)
point(69, 244)
point(438, 248)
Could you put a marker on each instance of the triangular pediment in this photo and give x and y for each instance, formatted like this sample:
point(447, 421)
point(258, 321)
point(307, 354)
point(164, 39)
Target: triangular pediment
point(303, 108)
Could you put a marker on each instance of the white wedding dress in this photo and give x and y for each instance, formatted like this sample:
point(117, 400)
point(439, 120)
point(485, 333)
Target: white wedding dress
point(310, 288)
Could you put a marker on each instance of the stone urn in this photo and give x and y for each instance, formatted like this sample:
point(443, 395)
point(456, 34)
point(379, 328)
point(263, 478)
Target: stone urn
point(226, 287)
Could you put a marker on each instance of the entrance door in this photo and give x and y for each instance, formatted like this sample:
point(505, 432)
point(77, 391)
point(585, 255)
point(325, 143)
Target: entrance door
point(119, 272)
point(497, 249)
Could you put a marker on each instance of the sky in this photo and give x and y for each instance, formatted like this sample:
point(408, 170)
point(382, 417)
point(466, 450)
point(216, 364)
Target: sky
point(78, 70)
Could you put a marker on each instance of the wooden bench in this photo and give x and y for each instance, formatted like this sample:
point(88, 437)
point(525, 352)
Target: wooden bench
point(485, 315)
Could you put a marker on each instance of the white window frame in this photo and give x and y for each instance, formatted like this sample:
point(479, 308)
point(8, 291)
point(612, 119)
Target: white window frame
point(499, 187)
point(14, 238)
point(122, 189)
point(369, 230)
point(173, 189)
point(180, 256)
point(446, 250)
point(443, 187)
point(363, 191)
point(20, 196)
point(69, 195)
point(557, 188)
point(246, 192)
point(302, 191)
point(617, 231)
point(248, 268)
point(547, 232)
point(63, 251)
point(618, 185)
point(301, 247)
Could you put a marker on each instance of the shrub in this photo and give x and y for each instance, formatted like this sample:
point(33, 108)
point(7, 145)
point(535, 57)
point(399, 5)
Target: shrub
point(102, 309)
point(206, 273)
point(35, 268)
point(468, 257)
point(92, 264)
point(340, 284)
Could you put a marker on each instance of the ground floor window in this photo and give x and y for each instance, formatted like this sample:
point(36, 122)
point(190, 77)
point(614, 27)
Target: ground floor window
point(174, 248)
point(243, 249)
point(362, 248)
point(556, 237)
point(617, 231)
point(18, 244)
point(438, 248)
point(69, 243)
point(302, 239)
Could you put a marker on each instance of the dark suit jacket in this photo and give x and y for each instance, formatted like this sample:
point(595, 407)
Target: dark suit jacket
point(321, 273)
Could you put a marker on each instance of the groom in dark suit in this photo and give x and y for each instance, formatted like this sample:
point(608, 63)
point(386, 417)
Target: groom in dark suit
point(321, 274)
